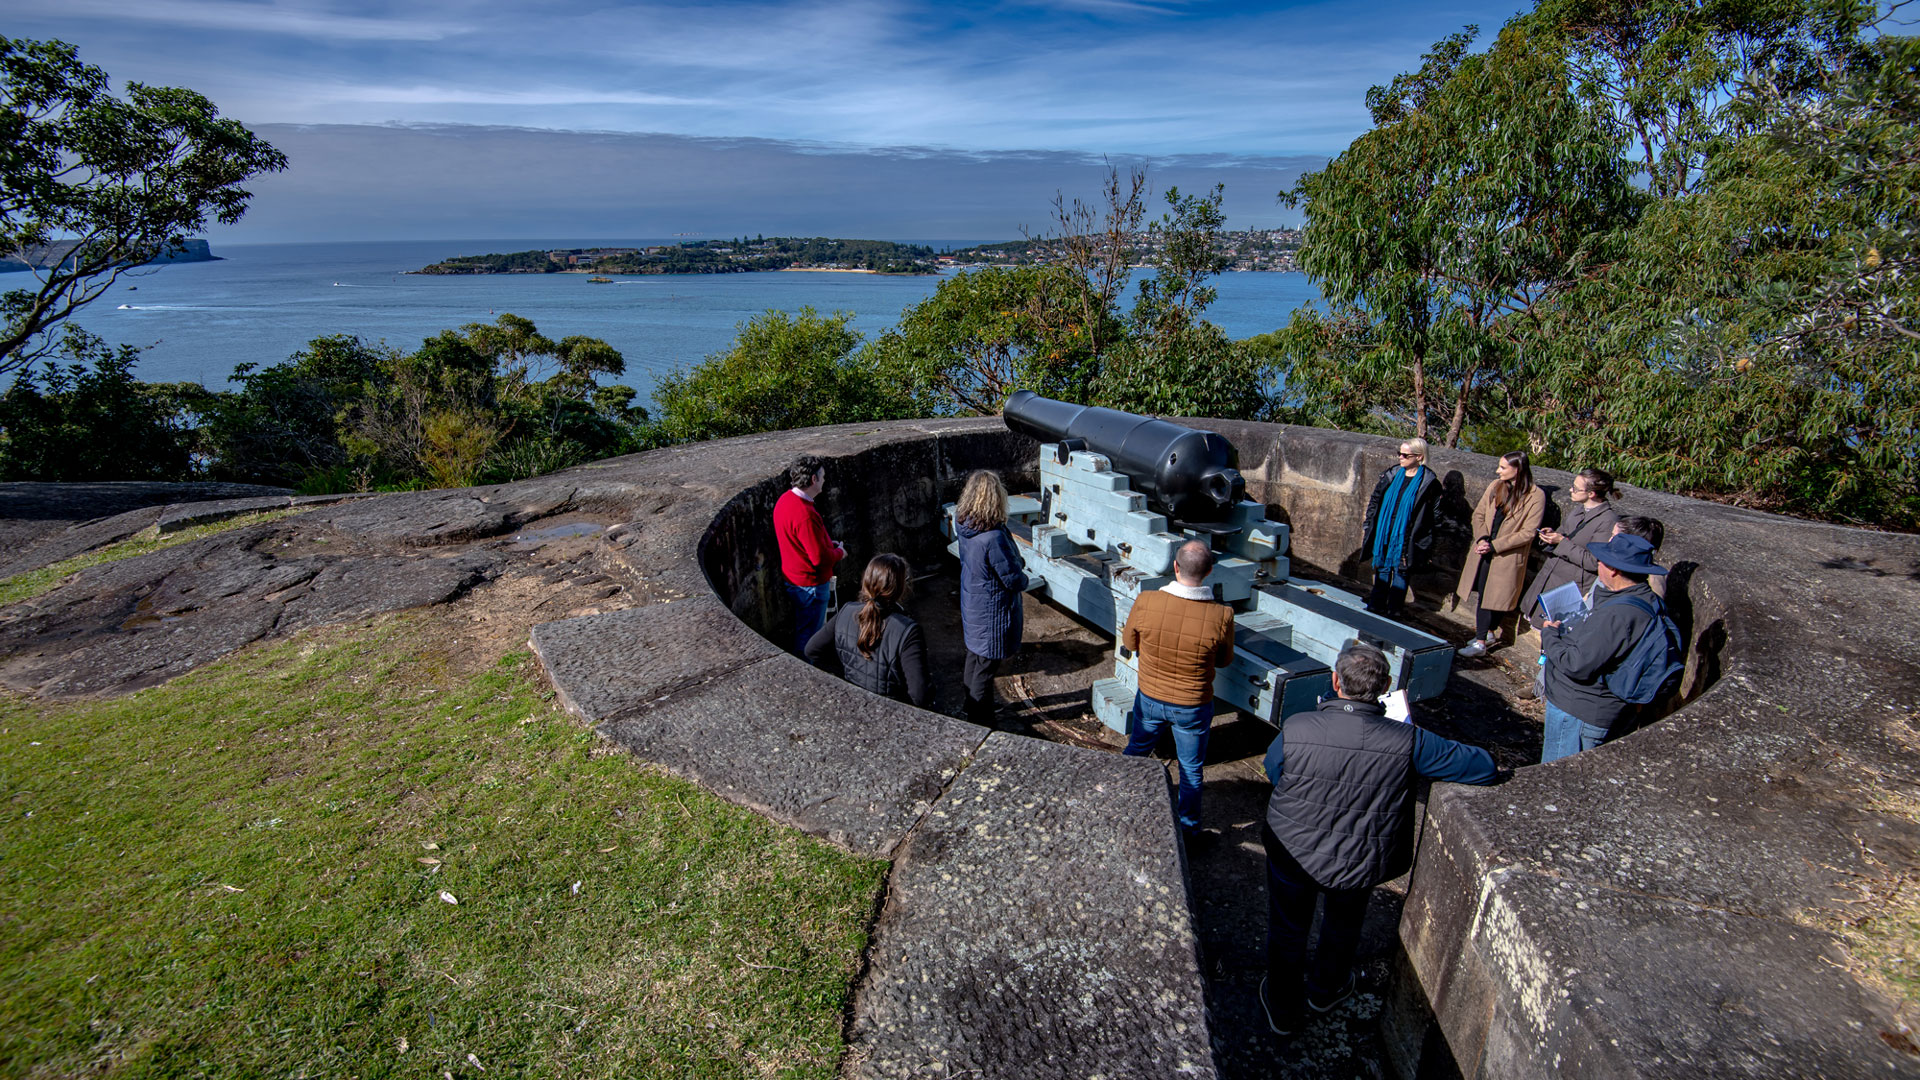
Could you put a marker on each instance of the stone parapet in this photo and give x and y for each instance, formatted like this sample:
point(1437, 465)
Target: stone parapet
point(1036, 921)
point(1654, 908)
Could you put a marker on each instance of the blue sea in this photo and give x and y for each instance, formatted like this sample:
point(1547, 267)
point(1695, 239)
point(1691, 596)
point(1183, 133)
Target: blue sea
point(261, 302)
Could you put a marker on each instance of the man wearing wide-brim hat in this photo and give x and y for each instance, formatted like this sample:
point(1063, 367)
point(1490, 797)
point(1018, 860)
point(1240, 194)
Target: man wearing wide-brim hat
point(1581, 712)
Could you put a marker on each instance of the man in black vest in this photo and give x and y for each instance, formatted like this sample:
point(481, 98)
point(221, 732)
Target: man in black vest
point(1341, 822)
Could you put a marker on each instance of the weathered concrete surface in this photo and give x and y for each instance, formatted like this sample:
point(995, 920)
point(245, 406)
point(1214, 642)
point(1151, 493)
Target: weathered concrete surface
point(41, 524)
point(604, 665)
point(687, 686)
point(1037, 926)
point(1651, 908)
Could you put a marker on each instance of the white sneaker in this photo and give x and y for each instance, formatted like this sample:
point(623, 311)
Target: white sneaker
point(1473, 648)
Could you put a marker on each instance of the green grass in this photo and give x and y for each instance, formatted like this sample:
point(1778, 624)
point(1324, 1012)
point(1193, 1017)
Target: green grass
point(234, 875)
point(44, 580)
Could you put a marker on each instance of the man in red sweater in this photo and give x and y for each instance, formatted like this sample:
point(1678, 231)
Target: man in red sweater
point(807, 554)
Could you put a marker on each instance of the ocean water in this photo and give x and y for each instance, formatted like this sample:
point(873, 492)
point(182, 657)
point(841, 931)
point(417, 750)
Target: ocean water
point(262, 302)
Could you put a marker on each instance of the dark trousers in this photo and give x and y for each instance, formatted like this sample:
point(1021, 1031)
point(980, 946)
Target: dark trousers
point(1291, 976)
point(1389, 593)
point(978, 677)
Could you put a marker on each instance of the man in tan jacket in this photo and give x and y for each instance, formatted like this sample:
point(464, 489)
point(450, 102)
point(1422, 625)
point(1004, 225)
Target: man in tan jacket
point(1181, 635)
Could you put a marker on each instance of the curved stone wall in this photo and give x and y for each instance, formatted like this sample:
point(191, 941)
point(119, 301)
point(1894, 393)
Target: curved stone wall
point(1645, 909)
point(1653, 907)
point(1035, 922)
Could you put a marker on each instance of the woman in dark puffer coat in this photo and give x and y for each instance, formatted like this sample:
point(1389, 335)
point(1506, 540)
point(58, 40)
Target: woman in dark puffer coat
point(874, 644)
point(991, 583)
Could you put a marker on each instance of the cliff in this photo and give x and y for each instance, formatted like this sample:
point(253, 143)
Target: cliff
point(41, 256)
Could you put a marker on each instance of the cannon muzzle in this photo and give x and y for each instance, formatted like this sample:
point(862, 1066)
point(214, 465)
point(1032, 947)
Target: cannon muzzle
point(1185, 473)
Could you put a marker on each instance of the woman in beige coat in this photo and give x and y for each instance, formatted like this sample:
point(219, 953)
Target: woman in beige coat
point(1504, 525)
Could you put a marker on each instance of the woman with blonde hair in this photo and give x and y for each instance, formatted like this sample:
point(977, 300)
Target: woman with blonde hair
point(875, 645)
point(1504, 523)
point(1397, 532)
point(991, 581)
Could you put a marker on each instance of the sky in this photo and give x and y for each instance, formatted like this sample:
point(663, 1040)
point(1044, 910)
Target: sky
point(889, 118)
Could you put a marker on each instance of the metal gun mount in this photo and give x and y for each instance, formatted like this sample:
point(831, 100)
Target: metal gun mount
point(1120, 493)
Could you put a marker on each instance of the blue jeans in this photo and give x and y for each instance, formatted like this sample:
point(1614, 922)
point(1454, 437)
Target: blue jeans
point(1190, 724)
point(1567, 735)
point(809, 611)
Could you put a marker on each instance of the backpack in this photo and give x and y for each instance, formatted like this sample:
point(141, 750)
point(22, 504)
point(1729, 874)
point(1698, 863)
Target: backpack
point(1653, 663)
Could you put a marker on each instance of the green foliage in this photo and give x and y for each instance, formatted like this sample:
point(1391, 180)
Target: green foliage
point(488, 402)
point(986, 333)
point(282, 426)
point(90, 419)
point(1486, 187)
point(1194, 370)
point(1760, 338)
point(241, 873)
point(1673, 239)
point(92, 184)
point(783, 371)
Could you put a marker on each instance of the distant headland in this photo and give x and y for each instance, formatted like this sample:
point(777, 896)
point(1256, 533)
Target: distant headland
point(706, 257)
point(1257, 249)
point(45, 256)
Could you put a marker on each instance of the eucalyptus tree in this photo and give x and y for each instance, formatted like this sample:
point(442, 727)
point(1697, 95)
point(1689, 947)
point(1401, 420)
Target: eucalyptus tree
point(1486, 187)
point(93, 184)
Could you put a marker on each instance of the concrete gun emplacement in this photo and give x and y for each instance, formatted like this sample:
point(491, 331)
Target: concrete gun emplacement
point(1119, 493)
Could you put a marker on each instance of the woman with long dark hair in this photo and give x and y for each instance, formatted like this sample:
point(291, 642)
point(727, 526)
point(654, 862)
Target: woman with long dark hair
point(874, 644)
point(1504, 523)
point(992, 577)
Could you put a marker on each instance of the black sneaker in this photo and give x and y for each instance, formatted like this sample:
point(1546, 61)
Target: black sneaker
point(1274, 1025)
point(1332, 1003)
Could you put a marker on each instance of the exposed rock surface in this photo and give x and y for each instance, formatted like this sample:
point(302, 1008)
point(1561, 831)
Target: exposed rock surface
point(41, 524)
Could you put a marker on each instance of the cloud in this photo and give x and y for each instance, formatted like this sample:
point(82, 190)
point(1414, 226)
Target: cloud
point(349, 182)
point(273, 18)
point(1131, 76)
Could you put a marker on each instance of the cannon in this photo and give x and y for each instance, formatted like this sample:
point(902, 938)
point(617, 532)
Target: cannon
point(1119, 493)
point(1186, 474)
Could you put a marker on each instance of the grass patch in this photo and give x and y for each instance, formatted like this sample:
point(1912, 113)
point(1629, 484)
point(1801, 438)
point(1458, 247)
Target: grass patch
point(240, 873)
point(44, 580)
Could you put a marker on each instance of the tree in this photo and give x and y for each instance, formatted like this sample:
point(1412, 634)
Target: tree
point(103, 183)
point(1669, 72)
point(985, 333)
point(1186, 252)
point(283, 425)
point(1486, 188)
point(784, 371)
point(1096, 244)
point(1759, 339)
point(90, 419)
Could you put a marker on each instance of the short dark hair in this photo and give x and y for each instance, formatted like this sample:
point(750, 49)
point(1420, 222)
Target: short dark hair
point(803, 469)
point(1363, 671)
point(1646, 528)
point(1194, 559)
point(1600, 482)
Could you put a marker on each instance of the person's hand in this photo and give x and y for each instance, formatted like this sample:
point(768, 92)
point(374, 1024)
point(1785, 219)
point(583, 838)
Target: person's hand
point(1551, 536)
point(1484, 547)
point(1555, 623)
point(841, 548)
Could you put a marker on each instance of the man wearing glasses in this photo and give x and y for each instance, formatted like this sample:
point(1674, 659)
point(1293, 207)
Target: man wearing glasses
point(1398, 529)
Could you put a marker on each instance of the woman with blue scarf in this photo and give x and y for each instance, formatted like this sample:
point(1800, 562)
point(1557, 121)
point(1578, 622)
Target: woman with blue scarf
point(1399, 526)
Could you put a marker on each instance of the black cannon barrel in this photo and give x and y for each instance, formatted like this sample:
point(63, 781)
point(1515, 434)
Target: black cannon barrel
point(1185, 473)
